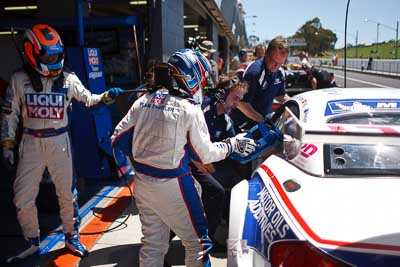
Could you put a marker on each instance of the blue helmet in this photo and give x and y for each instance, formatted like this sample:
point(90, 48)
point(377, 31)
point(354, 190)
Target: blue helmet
point(191, 71)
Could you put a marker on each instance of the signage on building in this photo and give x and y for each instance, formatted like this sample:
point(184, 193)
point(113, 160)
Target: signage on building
point(296, 42)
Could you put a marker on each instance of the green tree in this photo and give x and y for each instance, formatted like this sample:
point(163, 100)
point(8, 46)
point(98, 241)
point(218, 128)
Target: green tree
point(317, 38)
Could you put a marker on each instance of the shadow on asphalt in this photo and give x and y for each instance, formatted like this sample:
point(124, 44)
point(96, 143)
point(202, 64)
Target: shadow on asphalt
point(10, 231)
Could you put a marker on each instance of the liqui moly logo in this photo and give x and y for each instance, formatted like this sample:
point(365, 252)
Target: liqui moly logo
point(45, 106)
point(93, 56)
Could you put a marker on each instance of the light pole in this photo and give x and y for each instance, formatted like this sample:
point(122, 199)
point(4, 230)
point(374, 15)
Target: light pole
point(386, 26)
point(357, 44)
point(397, 38)
point(377, 32)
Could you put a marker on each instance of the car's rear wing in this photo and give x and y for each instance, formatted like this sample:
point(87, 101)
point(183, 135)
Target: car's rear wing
point(348, 133)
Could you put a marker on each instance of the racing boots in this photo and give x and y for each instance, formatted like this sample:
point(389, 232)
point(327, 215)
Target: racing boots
point(72, 243)
point(30, 247)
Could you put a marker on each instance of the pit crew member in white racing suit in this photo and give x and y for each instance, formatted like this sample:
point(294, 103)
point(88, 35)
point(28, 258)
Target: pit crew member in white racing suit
point(39, 96)
point(169, 129)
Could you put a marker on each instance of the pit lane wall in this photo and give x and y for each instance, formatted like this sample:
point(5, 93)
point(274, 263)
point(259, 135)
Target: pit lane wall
point(390, 66)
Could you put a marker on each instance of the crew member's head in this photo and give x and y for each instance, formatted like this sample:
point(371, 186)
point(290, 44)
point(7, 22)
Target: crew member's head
point(191, 71)
point(44, 50)
point(230, 90)
point(259, 51)
point(307, 67)
point(207, 48)
point(243, 57)
point(277, 52)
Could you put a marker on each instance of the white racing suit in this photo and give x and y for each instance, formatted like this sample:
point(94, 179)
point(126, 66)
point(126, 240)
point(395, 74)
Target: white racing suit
point(167, 132)
point(45, 143)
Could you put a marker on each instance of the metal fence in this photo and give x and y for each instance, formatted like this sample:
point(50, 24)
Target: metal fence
point(377, 65)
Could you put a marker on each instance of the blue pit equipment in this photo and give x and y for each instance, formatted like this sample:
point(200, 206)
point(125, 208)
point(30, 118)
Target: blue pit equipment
point(266, 135)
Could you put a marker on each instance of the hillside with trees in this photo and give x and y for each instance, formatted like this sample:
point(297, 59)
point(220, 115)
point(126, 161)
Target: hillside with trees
point(318, 39)
point(384, 50)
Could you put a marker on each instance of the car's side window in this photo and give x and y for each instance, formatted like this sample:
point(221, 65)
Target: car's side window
point(289, 127)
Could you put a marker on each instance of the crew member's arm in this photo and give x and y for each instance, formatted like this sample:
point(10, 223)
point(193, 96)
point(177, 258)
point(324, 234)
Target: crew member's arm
point(121, 142)
point(10, 118)
point(282, 98)
point(245, 106)
point(314, 83)
point(83, 95)
point(248, 110)
point(204, 168)
point(11, 112)
point(281, 95)
point(203, 150)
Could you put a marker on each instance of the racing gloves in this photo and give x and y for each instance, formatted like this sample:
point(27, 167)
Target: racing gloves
point(240, 144)
point(110, 95)
point(8, 154)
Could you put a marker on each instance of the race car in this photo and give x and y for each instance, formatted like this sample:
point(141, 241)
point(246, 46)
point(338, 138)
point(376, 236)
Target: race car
point(330, 196)
point(296, 82)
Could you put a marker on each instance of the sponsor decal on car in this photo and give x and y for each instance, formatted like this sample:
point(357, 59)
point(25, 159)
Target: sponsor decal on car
point(360, 105)
point(264, 222)
point(308, 150)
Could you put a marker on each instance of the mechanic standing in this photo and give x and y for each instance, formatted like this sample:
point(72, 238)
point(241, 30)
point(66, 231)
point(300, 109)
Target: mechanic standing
point(240, 61)
point(259, 51)
point(169, 130)
point(266, 83)
point(207, 49)
point(318, 78)
point(39, 96)
point(215, 177)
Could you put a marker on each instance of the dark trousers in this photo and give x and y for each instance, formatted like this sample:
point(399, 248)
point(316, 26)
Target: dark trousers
point(212, 197)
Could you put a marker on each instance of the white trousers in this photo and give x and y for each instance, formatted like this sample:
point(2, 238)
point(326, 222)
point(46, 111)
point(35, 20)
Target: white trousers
point(35, 154)
point(175, 204)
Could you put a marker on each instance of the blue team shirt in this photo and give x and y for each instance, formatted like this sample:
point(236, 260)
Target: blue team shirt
point(263, 86)
point(220, 126)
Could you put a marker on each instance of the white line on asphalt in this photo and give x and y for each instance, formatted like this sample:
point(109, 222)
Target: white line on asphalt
point(361, 81)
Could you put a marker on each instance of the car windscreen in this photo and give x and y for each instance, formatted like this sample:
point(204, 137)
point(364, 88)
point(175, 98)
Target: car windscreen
point(370, 118)
point(356, 158)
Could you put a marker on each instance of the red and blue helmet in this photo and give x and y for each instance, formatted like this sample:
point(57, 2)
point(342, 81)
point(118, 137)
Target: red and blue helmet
point(44, 50)
point(192, 72)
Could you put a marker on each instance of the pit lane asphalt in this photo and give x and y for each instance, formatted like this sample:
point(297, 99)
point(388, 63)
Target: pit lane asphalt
point(119, 247)
point(357, 78)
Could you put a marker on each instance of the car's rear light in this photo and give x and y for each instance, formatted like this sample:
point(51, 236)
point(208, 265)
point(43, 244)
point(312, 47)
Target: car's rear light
point(300, 254)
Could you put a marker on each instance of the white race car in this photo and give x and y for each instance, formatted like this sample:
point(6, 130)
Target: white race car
point(331, 197)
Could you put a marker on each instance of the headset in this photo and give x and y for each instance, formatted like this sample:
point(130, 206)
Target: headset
point(221, 92)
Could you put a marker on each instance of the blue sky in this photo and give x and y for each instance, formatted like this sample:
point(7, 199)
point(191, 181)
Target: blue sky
point(285, 17)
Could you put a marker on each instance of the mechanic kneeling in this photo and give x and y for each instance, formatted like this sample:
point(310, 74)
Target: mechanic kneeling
point(318, 78)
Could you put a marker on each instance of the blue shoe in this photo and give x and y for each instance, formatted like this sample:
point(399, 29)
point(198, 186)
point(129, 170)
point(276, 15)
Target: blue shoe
point(72, 243)
point(30, 247)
